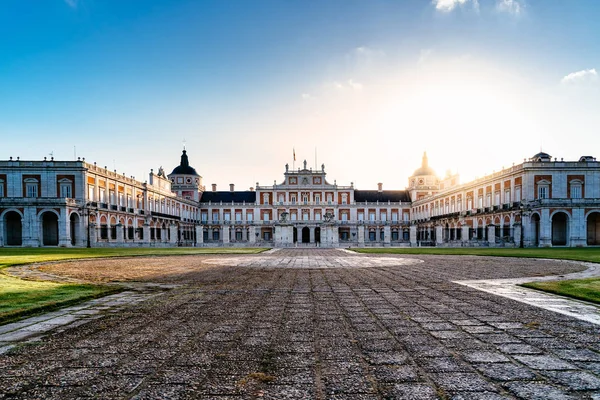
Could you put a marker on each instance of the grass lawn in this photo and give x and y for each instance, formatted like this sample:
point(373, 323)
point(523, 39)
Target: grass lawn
point(19, 298)
point(583, 289)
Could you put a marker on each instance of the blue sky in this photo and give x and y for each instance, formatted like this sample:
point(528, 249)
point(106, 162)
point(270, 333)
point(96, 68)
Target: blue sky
point(370, 84)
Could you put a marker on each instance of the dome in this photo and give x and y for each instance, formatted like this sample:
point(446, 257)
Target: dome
point(184, 167)
point(425, 168)
point(541, 156)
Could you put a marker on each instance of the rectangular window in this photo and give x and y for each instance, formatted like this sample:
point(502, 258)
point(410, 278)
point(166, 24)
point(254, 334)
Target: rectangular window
point(371, 216)
point(227, 217)
point(542, 192)
point(317, 198)
point(238, 216)
point(91, 193)
point(361, 216)
point(215, 216)
point(344, 217)
point(394, 235)
point(518, 193)
point(507, 196)
point(294, 216)
point(305, 216)
point(267, 235)
point(266, 217)
point(372, 236)
point(249, 216)
point(65, 190)
point(1, 188)
point(238, 235)
point(497, 199)
point(215, 235)
point(395, 217)
point(32, 190)
point(480, 202)
point(317, 216)
point(576, 191)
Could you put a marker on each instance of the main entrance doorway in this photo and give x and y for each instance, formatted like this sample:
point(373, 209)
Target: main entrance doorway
point(305, 235)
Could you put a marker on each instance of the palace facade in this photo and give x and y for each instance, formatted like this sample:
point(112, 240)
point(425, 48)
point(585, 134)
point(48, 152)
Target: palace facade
point(541, 202)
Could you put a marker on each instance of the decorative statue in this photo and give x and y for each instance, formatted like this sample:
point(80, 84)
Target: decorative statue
point(283, 217)
point(323, 167)
point(161, 171)
point(287, 167)
point(328, 217)
point(304, 164)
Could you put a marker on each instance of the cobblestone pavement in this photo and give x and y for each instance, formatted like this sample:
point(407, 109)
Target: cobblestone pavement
point(311, 330)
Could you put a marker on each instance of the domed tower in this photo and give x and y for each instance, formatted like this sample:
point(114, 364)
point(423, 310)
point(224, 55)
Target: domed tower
point(185, 181)
point(423, 181)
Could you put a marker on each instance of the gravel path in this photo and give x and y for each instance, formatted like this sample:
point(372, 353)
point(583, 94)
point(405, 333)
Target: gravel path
point(313, 324)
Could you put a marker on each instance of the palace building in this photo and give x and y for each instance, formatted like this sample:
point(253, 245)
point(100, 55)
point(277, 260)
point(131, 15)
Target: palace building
point(541, 202)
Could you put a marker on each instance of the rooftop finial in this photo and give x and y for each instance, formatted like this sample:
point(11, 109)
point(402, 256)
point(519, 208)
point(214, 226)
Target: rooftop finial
point(184, 144)
point(425, 162)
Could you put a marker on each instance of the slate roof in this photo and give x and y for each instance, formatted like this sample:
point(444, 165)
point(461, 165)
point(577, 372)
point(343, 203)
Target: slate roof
point(228, 197)
point(184, 167)
point(383, 196)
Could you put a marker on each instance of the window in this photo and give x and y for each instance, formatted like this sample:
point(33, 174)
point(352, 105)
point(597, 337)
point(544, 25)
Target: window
point(518, 193)
point(372, 216)
point(394, 235)
point(395, 217)
point(238, 235)
point(293, 198)
point(372, 236)
point(31, 187)
point(266, 217)
point(344, 198)
point(507, 196)
point(361, 216)
point(317, 215)
point(227, 216)
point(1, 188)
point(91, 193)
point(345, 235)
point(215, 235)
point(65, 190)
point(238, 216)
point(294, 216)
point(344, 216)
point(469, 204)
point(249, 216)
point(480, 202)
point(266, 198)
point(575, 191)
point(266, 235)
point(215, 216)
point(488, 200)
point(406, 217)
point(317, 198)
point(497, 198)
point(383, 216)
point(305, 216)
point(542, 192)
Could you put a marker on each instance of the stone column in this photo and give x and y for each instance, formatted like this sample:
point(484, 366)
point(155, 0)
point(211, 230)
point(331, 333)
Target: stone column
point(413, 235)
point(311, 232)
point(387, 235)
point(146, 233)
point(577, 228)
point(173, 234)
point(335, 236)
point(491, 234)
point(526, 230)
point(517, 233)
point(225, 238)
point(464, 234)
point(199, 235)
point(31, 232)
point(439, 234)
point(64, 231)
point(93, 232)
point(252, 234)
point(120, 234)
point(361, 236)
point(545, 228)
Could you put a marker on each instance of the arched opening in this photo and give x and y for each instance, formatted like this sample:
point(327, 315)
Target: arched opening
point(317, 235)
point(535, 229)
point(305, 235)
point(559, 229)
point(113, 228)
point(74, 222)
point(295, 235)
point(593, 229)
point(14, 229)
point(49, 229)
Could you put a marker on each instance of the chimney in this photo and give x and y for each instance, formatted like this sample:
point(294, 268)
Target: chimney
point(251, 189)
point(231, 187)
point(214, 187)
point(380, 187)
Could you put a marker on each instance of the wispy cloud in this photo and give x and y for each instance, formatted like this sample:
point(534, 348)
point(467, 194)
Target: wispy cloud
point(449, 5)
point(586, 75)
point(72, 3)
point(514, 7)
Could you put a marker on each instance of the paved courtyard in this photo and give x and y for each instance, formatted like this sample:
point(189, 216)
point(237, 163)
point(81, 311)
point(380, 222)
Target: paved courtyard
point(311, 324)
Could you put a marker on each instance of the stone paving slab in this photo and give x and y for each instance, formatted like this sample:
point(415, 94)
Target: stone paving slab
point(370, 330)
point(571, 307)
